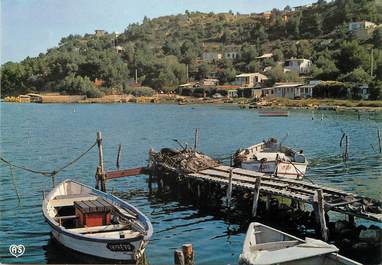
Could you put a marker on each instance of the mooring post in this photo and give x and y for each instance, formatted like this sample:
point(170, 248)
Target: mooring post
point(178, 257)
point(196, 140)
point(346, 152)
point(188, 254)
point(150, 167)
point(229, 188)
point(318, 199)
point(379, 141)
point(98, 177)
point(101, 164)
point(119, 156)
point(256, 195)
point(268, 202)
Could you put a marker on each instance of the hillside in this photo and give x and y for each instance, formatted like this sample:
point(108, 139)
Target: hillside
point(160, 50)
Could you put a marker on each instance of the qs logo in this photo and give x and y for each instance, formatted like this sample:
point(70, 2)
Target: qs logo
point(16, 250)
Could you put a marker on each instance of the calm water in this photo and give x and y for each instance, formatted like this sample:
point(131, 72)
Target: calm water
point(44, 137)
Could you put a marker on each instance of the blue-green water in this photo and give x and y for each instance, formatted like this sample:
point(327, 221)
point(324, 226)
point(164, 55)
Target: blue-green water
point(44, 137)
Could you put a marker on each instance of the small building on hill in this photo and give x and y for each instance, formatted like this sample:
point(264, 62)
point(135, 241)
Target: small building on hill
point(250, 80)
point(212, 56)
point(99, 32)
point(300, 66)
point(359, 25)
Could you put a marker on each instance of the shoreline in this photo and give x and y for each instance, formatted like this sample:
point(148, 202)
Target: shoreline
point(244, 103)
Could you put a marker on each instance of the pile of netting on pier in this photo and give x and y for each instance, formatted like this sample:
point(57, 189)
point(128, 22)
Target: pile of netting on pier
point(183, 161)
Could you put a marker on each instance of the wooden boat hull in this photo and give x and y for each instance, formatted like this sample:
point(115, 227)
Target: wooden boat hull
point(284, 169)
point(123, 249)
point(264, 245)
point(101, 249)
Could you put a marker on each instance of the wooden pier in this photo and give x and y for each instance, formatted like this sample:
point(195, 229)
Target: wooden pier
point(334, 199)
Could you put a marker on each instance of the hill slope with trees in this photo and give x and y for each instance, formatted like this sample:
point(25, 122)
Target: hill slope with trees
point(160, 51)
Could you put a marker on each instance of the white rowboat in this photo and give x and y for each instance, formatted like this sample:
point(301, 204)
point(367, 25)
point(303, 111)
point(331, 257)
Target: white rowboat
point(272, 158)
point(95, 223)
point(264, 245)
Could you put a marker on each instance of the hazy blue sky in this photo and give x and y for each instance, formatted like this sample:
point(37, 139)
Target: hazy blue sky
point(29, 27)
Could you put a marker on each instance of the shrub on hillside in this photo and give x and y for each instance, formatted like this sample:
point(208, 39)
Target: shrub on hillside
point(140, 91)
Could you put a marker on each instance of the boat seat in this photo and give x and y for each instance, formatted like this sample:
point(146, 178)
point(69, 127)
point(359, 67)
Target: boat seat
point(271, 246)
point(66, 217)
point(68, 200)
point(98, 229)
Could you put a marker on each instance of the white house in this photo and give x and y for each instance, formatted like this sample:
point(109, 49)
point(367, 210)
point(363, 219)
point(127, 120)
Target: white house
point(212, 56)
point(250, 79)
point(300, 66)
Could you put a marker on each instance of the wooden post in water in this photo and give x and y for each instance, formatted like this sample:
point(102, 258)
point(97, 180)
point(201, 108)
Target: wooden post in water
point(178, 257)
point(229, 188)
point(101, 175)
point(379, 141)
point(318, 199)
point(268, 202)
point(256, 195)
point(119, 156)
point(196, 140)
point(346, 152)
point(188, 254)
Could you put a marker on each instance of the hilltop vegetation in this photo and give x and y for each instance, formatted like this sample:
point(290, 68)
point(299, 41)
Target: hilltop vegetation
point(160, 50)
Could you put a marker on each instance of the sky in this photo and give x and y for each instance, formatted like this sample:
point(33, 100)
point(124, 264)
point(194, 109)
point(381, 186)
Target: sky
point(30, 27)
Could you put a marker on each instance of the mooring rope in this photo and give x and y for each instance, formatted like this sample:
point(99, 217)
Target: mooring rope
point(53, 173)
point(15, 185)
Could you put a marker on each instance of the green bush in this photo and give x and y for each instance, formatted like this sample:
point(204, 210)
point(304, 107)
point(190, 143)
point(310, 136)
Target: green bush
point(94, 92)
point(140, 91)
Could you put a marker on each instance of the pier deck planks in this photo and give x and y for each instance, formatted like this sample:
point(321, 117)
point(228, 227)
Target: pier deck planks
point(293, 189)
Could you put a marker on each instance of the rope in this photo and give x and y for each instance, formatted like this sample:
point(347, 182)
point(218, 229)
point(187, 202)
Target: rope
point(14, 185)
point(53, 173)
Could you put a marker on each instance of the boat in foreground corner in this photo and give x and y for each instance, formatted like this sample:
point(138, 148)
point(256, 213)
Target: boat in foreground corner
point(273, 158)
point(264, 245)
point(95, 223)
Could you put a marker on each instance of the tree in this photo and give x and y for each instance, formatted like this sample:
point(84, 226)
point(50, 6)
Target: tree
point(325, 68)
point(351, 56)
point(357, 76)
point(377, 37)
point(278, 55)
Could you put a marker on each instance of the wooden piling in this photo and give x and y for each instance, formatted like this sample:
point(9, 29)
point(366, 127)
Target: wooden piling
point(196, 139)
point(178, 257)
point(188, 254)
point(229, 188)
point(318, 200)
point(256, 196)
point(267, 202)
point(119, 156)
point(101, 175)
point(379, 141)
point(346, 152)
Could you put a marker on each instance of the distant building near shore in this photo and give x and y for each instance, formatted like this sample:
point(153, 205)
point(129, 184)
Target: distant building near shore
point(300, 66)
point(289, 90)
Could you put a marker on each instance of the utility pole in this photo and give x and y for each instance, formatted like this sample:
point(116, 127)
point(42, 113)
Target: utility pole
point(136, 76)
point(372, 63)
point(187, 71)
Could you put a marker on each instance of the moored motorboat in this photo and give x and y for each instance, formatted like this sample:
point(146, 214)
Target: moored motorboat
point(264, 245)
point(273, 158)
point(95, 223)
